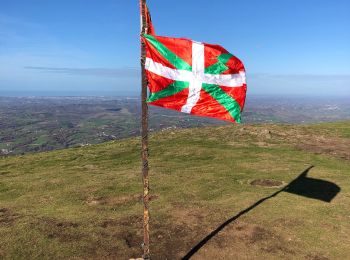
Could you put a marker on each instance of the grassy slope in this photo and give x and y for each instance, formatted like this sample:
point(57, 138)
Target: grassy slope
point(84, 202)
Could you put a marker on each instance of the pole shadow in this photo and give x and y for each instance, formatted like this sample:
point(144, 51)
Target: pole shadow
point(302, 186)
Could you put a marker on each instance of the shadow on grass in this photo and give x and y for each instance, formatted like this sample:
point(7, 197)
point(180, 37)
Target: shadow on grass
point(302, 186)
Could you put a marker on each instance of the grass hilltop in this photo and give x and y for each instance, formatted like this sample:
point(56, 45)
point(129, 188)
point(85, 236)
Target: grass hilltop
point(84, 203)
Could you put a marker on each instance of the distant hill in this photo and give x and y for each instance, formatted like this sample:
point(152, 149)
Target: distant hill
point(84, 203)
point(37, 124)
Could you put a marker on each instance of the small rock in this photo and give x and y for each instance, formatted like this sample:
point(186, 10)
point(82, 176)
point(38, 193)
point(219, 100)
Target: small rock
point(266, 133)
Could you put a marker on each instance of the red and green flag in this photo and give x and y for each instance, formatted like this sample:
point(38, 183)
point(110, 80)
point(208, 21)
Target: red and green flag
point(193, 77)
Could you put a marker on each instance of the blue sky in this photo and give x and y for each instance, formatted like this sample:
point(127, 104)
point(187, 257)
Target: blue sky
point(289, 47)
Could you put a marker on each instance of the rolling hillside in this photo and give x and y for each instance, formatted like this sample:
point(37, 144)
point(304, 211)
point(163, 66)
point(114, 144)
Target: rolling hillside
point(217, 193)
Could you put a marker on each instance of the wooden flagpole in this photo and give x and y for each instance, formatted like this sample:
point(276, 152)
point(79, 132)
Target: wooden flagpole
point(144, 138)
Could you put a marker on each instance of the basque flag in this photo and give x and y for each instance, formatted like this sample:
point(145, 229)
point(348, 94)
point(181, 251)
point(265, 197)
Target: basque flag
point(193, 77)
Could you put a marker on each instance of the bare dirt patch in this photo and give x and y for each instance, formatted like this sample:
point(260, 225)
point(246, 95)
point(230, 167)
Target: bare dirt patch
point(316, 257)
point(240, 240)
point(193, 216)
point(64, 231)
point(7, 217)
point(236, 240)
point(302, 138)
point(169, 239)
point(317, 143)
point(336, 147)
point(257, 234)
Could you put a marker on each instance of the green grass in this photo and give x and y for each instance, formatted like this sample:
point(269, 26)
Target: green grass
point(84, 202)
point(41, 140)
point(341, 128)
